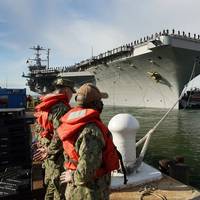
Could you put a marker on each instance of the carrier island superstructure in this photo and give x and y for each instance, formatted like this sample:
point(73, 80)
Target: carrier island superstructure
point(150, 72)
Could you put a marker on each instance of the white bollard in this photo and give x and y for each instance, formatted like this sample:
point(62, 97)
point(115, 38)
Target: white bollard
point(123, 128)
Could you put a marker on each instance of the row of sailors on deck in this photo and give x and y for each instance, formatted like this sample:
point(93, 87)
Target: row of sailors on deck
point(74, 145)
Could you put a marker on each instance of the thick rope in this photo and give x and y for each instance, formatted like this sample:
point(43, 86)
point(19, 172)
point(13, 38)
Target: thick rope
point(150, 190)
point(147, 137)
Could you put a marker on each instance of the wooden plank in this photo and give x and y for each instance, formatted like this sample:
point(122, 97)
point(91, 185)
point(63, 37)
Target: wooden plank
point(167, 186)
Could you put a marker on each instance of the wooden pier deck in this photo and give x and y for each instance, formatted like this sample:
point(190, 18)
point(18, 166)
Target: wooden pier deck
point(167, 188)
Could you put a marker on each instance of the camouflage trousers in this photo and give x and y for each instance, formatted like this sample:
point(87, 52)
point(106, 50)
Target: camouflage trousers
point(54, 190)
point(73, 192)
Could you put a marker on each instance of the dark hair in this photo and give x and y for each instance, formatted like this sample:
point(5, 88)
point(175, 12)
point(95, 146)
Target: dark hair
point(57, 87)
point(60, 89)
point(96, 105)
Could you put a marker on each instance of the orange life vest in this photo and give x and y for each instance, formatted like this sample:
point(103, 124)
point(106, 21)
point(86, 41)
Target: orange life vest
point(42, 112)
point(72, 123)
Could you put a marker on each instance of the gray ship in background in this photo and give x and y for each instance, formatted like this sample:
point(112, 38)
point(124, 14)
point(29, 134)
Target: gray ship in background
point(150, 72)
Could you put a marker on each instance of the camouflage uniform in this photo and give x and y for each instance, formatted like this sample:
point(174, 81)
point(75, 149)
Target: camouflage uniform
point(89, 146)
point(53, 164)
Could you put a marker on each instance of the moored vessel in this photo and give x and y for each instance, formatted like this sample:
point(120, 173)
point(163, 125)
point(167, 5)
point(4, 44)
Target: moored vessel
point(150, 72)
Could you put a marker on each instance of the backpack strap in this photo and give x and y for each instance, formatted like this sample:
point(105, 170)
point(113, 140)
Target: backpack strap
point(122, 166)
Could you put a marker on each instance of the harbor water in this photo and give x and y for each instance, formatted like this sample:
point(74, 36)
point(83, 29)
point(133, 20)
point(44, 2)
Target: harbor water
point(178, 134)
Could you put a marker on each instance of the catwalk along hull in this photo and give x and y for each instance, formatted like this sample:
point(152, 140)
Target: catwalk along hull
point(149, 73)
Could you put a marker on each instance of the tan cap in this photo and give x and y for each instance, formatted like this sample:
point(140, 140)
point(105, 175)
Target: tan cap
point(88, 93)
point(65, 83)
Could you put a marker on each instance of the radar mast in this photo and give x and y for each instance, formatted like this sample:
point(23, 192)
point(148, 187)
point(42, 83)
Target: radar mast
point(37, 63)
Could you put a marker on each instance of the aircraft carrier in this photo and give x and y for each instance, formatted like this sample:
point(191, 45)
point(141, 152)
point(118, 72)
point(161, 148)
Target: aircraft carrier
point(149, 72)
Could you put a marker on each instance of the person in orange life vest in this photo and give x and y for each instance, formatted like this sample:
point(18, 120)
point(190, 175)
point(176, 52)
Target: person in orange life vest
point(50, 151)
point(88, 146)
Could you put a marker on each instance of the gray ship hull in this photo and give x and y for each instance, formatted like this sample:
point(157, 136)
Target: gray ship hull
point(129, 80)
point(129, 84)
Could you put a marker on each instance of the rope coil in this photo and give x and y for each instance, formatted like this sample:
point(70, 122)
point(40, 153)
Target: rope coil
point(150, 190)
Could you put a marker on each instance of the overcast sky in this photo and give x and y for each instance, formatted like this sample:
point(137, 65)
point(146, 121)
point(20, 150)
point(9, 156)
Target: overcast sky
point(72, 28)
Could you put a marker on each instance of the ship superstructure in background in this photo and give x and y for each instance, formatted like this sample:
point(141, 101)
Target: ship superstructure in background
point(36, 79)
point(150, 72)
point(40, 76)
